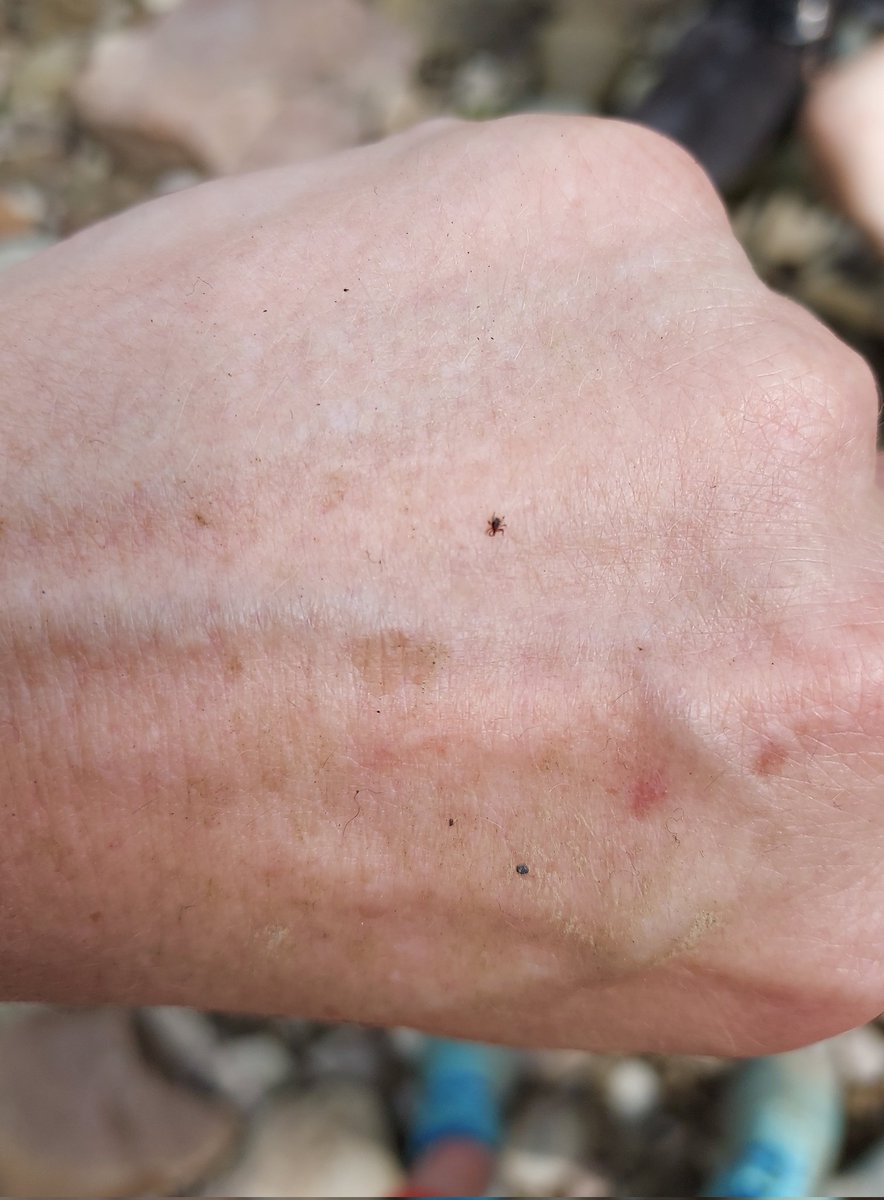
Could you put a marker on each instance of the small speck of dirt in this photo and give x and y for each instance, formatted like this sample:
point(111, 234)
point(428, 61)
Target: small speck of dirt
point(521, 869)
point(201, 520)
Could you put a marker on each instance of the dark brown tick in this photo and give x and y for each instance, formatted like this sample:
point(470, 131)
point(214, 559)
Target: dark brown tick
point(495, 526)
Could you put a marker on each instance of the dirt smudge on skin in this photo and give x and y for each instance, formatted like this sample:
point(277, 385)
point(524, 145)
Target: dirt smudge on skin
point(391, 658)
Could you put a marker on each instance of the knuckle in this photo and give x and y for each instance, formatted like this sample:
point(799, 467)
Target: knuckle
point(815, 383)
point(594, 171)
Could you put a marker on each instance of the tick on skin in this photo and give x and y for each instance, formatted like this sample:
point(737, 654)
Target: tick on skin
point(521, 869)
point(495, 526)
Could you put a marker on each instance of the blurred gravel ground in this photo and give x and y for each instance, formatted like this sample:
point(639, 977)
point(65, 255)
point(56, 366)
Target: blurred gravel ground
point(170, 1101)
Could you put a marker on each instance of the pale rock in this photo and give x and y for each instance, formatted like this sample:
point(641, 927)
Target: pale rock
point(247, 1068)
point(589, 1183)
point(544, 1149)
point(243, 1069)
point(632, 1089)
point(485, 86)
point(181, 1039)
point(43, 77)
point(22, 208)
point(407, 1043)
point(332, 1140)
point(858, 1056)
point(784, 230)
point(844, 125)
point(81, 1113)
point(307, 127)
point(239, 84)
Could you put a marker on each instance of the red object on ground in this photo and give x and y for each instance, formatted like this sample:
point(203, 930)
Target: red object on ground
point(454, 1167)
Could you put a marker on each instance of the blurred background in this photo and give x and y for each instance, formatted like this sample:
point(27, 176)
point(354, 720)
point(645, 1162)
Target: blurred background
point(108, 103)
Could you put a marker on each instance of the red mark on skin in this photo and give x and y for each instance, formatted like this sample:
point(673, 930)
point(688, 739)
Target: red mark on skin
point(648, 793)
point(771, 759)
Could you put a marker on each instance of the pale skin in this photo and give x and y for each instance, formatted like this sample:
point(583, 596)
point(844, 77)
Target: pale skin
point(279, 721)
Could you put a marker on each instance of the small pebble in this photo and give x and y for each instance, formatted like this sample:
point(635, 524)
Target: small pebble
point(247, 1068)
point(632, 1089)
point(485, 86)
point(406, 1043)
point(544, 1148)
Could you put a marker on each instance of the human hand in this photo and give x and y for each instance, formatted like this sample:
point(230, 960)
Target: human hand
point(283, 719)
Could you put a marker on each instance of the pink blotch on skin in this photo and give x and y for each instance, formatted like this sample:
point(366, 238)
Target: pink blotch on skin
point(648, 792)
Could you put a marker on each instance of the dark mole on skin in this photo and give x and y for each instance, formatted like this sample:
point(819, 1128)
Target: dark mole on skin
point(495, 526)
point(521, 869)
